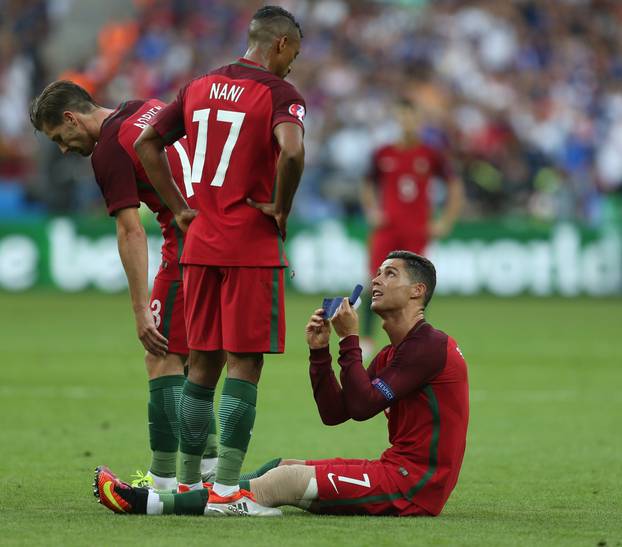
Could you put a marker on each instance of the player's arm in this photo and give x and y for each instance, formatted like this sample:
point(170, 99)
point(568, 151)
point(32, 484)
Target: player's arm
point(132, 244)
point(326, 389)
point(289, 166)
point(115, 176)
point(365, 394)
point(150, 149)
point(454, 203)
point(166, 128)
point(289, 169)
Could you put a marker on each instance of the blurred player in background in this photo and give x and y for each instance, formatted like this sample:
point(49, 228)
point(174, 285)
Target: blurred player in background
point(245, 134)
point(69, 116)
point(420, 382)
point(397, 198)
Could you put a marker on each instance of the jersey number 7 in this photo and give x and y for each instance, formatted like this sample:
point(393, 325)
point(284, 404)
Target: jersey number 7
point(193, 174)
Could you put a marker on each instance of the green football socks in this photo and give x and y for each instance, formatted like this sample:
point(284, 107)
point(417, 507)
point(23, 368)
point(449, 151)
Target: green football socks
point(196, 413)
point(188, 503)
point(237, 416)
point(164, 395)
point(211, 447)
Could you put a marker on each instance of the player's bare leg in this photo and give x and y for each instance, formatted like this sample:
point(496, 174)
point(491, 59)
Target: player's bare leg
point(288, 484)
point(169, 365)
point(197, 421)
point(166, 378)
point(291, 462)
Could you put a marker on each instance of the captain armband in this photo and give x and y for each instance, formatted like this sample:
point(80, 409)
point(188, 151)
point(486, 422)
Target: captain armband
point(383, 388)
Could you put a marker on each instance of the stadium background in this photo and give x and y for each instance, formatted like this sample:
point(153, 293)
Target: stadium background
point(527, 98)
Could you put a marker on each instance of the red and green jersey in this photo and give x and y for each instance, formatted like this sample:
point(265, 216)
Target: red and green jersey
point(229, 116)
point(402, 177)
point(122, 179)
point(422, 387)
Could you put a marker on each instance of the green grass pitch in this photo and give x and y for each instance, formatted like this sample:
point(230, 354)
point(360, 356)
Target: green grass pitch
point(543, 462)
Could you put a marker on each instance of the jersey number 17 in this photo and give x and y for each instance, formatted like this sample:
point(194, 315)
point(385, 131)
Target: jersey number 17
point(193, 173)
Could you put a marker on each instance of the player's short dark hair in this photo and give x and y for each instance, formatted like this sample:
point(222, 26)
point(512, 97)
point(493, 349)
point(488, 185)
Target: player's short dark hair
point(270, 22)
point(420, 270)
point(48, 107)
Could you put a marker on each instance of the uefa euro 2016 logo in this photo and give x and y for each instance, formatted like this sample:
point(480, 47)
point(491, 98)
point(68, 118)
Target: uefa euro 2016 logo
point(298, 111)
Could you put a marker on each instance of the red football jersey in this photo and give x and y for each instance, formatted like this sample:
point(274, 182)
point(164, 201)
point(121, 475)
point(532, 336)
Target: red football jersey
point(402, 176)
point(122, 179)
point(229, 116)
point(427, 429)
point(422, 386)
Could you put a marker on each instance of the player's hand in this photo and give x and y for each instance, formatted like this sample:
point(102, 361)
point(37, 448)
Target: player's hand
point(149, 335)
point(439, 229)
point(184, 218)
point(270, 210)
point(317, 330)
point(346, 320)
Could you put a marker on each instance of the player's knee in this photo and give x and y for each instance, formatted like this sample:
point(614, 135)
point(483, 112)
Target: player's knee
point(153, 364)
point(245, 366)
point(286, 485)
point(167, 365)
point(207, 359)
point(205, 367)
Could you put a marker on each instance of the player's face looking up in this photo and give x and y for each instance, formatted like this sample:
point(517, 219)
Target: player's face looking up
point(392, 288)
point(71, 135)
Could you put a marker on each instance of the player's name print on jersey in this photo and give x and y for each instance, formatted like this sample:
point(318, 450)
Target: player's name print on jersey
point(145, 117)
point(226, 92)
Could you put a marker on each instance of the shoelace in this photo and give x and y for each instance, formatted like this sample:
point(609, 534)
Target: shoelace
point(140, 480)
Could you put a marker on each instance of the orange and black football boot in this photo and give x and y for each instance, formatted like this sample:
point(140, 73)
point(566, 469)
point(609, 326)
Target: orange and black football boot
point(117, 495)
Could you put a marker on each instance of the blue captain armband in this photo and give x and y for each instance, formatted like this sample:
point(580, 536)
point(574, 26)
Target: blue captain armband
point(383, 388)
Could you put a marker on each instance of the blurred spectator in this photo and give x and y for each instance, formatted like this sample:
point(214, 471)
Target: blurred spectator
point(527, 95)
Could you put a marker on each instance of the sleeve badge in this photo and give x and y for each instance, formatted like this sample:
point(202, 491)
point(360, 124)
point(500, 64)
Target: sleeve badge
point(298, 111)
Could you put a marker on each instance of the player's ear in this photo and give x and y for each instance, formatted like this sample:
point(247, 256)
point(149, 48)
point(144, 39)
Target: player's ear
point(70, 118)
point(281, 44)
point(417, 290)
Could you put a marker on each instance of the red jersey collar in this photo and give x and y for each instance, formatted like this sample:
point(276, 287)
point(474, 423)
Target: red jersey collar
point(250, 64)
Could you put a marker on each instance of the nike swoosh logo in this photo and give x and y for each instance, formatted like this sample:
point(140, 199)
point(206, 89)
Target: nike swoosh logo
point(110, 496)
point(330, 478)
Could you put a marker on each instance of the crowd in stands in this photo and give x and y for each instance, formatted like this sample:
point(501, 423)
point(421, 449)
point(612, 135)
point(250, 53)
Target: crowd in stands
point(525, 95)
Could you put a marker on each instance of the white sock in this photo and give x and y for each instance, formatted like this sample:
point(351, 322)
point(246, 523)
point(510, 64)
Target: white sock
point(154, 505)
point(163, 483)
point(225, 490)
point(208, 465)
